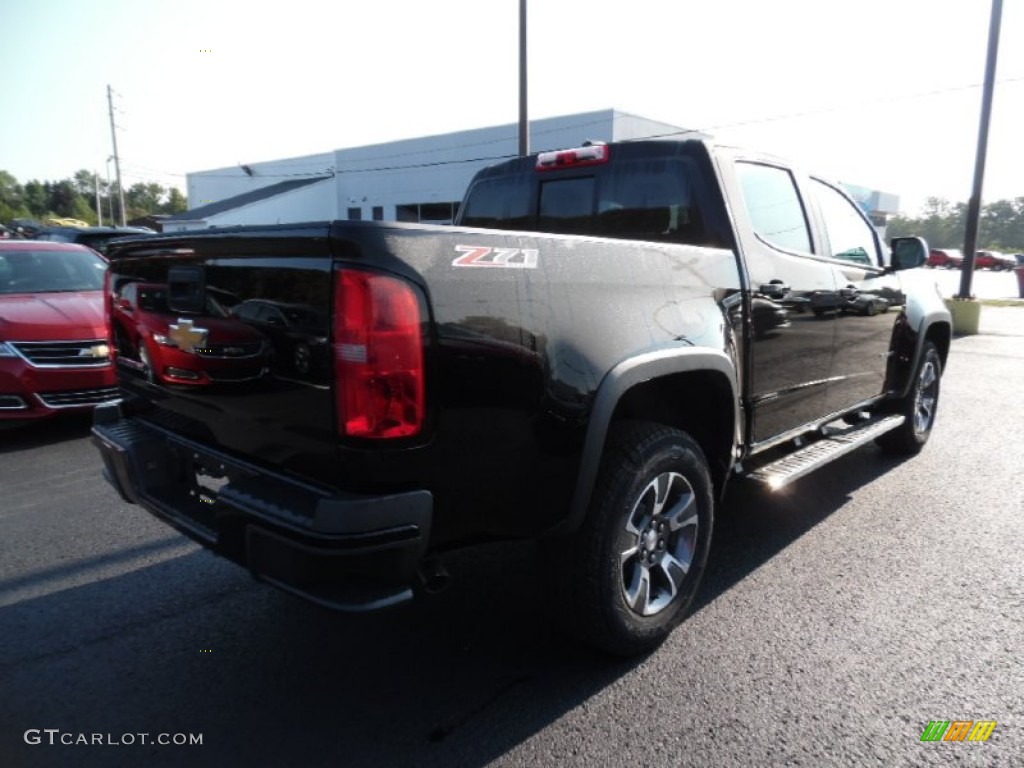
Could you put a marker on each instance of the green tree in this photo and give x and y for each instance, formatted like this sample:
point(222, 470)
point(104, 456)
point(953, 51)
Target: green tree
point(176, 202)
point(35, 198)
point(943, 225)
point(1003, 224)
point(63, 198)
point(12, 198)
point(142, 199)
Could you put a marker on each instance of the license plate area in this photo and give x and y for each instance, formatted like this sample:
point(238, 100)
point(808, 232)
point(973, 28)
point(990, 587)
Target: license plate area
point(207, 480)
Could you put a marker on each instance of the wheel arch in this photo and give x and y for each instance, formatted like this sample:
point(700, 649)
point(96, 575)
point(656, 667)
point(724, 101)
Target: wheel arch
point(694, 390)
point(908, 346)
point(940, 334)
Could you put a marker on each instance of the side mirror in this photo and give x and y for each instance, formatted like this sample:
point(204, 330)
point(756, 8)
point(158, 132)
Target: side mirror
point(908, 253)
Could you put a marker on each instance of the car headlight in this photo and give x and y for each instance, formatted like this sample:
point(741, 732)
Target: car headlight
point(6, 351)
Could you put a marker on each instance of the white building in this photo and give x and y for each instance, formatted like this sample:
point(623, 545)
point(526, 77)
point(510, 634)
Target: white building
point(421, 179)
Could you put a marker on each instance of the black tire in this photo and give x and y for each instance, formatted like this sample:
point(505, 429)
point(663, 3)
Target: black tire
point(633, 568)
point(918, 406)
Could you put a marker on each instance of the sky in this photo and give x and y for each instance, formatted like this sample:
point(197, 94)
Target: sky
point(879, 93)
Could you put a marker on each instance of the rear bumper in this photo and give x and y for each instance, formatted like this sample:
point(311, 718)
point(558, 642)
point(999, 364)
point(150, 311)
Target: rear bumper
point(343, 551)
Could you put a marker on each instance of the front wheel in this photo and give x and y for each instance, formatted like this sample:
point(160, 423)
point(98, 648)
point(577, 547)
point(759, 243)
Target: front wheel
point(633, 568)
point(918, 406)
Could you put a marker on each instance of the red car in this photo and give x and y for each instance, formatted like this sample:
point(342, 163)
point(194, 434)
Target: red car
point(993, 260)
point(193, 351)
point(950, 258)
point(54, 354)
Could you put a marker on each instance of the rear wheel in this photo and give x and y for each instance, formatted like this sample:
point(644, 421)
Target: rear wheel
point(632, 570)
point(918, 406)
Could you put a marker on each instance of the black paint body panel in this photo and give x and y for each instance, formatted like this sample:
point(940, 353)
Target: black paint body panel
point(532, 341)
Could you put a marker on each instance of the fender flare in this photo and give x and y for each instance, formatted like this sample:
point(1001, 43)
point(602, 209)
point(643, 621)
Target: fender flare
point(617, 382)
point(935, 318)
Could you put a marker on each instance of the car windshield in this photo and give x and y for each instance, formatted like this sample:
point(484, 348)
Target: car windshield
point(39, 271)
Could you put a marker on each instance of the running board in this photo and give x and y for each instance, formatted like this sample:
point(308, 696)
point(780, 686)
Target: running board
point(805, 460)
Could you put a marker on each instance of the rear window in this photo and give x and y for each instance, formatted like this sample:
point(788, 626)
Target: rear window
point(635, 198)
point(567, 206)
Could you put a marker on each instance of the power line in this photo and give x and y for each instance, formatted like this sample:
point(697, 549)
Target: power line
point(512, 137)
point(828, 110)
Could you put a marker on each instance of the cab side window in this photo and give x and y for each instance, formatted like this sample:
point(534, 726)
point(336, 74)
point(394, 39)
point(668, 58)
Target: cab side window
point(850, 237)
point(499, 203)
point(774, 206)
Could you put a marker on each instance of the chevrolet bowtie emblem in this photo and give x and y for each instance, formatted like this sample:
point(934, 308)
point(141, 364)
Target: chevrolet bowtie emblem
point(186, 336)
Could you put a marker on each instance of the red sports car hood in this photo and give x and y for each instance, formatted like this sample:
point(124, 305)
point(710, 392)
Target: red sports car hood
point(52, 316)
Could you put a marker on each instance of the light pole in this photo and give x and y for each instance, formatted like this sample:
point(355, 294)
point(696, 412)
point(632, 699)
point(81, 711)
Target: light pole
point(974, 204)
point(524, 123)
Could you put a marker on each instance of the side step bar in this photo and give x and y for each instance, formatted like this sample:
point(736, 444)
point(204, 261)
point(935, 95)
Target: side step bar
point(805, 460)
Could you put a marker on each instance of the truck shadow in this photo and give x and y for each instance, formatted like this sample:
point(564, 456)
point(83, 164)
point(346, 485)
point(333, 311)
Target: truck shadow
point(68, 426)
point(191, 645)
point(754, 524)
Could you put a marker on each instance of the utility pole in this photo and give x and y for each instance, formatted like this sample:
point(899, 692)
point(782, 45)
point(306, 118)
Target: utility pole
point(524, 123)
point(974, 204)
point(110, 192)
point(99, 206)
point(117, 161)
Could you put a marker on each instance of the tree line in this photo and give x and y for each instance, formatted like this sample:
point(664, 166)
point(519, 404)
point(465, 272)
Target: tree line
point(75, 198)
point(943, 225)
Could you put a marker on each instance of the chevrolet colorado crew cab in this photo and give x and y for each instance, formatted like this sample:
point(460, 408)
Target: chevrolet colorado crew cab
point(605, 337)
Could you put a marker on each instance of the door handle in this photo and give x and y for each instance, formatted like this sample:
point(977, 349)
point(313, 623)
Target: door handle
point(774, 288)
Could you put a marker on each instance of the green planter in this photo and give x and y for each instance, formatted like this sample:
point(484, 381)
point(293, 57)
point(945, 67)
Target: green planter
point(966, 315)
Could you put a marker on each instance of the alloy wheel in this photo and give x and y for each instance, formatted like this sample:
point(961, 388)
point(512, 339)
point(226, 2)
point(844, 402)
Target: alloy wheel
point(661, 534)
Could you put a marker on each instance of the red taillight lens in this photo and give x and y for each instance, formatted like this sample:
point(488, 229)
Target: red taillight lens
point(108, 299)
point(378, 356)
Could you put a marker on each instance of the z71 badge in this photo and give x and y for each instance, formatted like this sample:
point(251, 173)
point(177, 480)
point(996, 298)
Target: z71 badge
point(508, 258)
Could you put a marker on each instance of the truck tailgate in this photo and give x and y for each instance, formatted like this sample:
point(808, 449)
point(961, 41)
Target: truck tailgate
point(225, 340)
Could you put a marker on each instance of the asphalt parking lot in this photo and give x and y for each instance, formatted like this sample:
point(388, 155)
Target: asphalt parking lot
point(837, 619)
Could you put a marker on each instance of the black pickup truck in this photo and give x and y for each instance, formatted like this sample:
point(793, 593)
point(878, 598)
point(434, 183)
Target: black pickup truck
point(606, 336)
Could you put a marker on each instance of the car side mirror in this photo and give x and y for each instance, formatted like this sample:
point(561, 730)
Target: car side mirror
point(908, 253)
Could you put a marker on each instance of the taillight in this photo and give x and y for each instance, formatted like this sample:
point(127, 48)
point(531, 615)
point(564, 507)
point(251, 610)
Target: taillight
point(108, 300)
point(378, 356)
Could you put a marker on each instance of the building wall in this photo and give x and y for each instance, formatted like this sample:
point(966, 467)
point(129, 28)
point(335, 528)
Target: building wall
point(426, 175)
point(205, 187)
point(313, 203)
point(394, 178)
